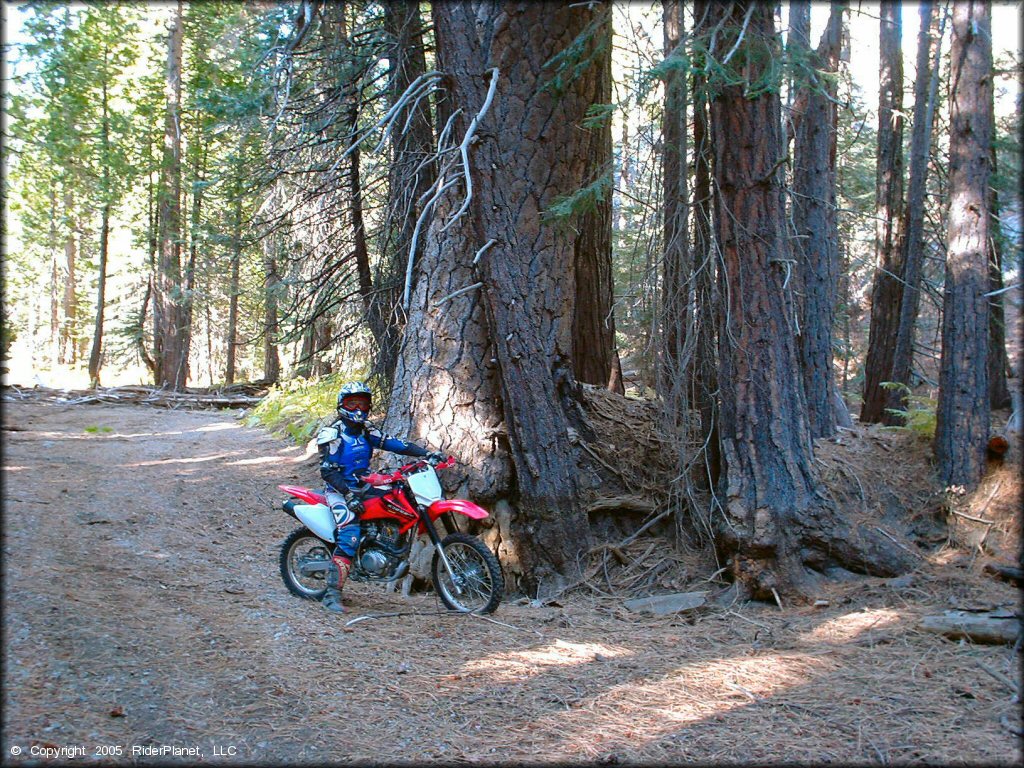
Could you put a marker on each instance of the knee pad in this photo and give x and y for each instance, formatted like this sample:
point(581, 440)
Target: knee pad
point(343, 516)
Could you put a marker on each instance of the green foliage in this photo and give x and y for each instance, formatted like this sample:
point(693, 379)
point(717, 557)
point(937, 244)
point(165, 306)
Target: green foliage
point(582, 201)
point(298, 408)
point(93, 429)
point(742, 58)
point(919, 415)
point(589, 46)
point(598, 115)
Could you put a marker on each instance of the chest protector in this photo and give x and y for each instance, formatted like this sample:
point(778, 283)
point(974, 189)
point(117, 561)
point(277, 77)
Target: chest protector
point(349, 452)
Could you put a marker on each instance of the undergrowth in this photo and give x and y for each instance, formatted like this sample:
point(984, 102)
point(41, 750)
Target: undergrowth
point(919, 415)
point(298, 408)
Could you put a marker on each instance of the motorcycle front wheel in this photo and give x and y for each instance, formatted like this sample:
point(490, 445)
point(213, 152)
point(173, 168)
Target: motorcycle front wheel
point(475, 584)
point(303, 548)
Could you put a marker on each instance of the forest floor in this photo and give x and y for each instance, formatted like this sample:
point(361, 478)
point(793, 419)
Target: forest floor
point(142, 608)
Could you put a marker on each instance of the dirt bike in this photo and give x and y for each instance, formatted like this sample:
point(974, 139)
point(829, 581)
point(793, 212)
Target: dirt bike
point(465, 573)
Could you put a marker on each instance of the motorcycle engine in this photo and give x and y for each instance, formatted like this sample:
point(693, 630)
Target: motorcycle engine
point(372, 559)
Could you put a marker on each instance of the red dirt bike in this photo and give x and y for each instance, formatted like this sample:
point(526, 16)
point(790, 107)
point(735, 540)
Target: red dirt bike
point(465, 573)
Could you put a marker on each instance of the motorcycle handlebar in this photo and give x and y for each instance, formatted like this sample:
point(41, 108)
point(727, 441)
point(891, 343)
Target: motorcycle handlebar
point(376, 478)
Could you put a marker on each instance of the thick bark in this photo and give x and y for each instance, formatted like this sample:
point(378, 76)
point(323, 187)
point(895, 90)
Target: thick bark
point(504, 352)
point(410, 175)
point(704, 388)
point(595, 360)
point(925, 89)
point(777, 521)
point(887, 288)
point(962, 416)
point(170, 352)
point(813, 192)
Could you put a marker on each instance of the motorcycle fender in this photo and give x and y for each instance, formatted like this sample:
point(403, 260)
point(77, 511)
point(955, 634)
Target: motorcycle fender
point(461, 506)
point(318, 518)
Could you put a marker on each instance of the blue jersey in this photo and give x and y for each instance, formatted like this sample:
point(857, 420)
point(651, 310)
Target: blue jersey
point(348, 450)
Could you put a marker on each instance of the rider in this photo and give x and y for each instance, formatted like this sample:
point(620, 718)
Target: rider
point(345, 450)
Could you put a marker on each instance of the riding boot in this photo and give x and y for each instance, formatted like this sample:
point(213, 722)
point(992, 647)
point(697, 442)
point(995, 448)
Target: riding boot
point(335, 576)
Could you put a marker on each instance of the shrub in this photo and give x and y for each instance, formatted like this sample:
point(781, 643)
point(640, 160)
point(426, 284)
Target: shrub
point(298, 408)
point(919, 415)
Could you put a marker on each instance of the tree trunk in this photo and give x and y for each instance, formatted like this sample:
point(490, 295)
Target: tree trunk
point(813, 192)
point(95, 354)
point(595, 359)
point(887, 289)
point(171, 351)
point(271, 359)
point(69, 303)
point(236, 259)
point(925, 90)
point(503, 352)
point(704, 388)
point(151, 226)
point(410, 175)
point(962, 416)
point(188, 302)
point(777, 521)
point(677, 265)
point(54, 280)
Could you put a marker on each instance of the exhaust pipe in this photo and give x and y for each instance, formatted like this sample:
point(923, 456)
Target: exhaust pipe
point(289, 507)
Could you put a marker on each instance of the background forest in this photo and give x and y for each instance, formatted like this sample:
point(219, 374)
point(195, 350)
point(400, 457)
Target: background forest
point(298, 193)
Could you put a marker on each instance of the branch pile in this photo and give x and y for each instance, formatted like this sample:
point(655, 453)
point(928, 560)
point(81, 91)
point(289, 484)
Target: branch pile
point(235, 396)
point(626, 462)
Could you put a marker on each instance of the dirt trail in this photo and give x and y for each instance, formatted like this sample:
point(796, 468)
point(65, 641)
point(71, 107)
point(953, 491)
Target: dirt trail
point(143, 609)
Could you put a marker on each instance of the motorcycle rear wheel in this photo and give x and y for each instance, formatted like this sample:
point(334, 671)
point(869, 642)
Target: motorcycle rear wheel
point(301, 545)
point(478, 585)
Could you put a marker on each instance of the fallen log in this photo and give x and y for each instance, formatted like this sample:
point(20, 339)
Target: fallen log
point(138, 395)
point(989, 628)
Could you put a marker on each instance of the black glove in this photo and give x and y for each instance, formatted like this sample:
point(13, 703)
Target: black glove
point(355, 503)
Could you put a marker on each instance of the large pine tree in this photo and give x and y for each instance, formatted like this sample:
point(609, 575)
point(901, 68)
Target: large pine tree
point(488, 374)
point(887, 288)
point(778, 527)
point(962, 427)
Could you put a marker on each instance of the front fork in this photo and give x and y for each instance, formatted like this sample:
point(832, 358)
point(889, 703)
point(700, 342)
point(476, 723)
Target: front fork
point(435, 537)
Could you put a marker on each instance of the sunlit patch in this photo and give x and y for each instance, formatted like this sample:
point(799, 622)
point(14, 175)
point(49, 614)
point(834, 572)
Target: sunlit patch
point(106, 435)
point(217, 427)
point(260, 460)
point(849, 626)
point(519, 664)
point(194, 460)
point(13, 469)
point(696, 691)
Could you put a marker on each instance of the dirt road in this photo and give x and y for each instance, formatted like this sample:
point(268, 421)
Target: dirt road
point(144, 616)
